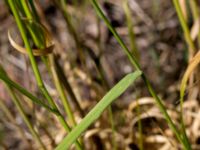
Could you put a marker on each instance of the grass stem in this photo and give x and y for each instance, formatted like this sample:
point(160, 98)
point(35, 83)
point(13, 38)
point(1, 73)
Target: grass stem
point(195, 13)
point(67, 86)
point(131, 33)
point(185, 28)
point(24, 116)
point(139, 125)
point(11, 118)
point(39, 80)
point(61, 91)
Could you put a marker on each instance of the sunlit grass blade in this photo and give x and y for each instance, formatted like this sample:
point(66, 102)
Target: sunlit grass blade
point(95, 113)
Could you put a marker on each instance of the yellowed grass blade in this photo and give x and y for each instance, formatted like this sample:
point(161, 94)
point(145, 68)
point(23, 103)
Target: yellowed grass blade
point(184, 8)
point(192, 65)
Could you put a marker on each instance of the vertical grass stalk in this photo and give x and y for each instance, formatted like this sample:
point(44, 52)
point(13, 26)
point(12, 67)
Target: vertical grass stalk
point(67, 86)
point(192, 50)
point(63, 8)
point(185, 28)
point(195, 13)
point(35, 31)
point(131, 33)
point(139, 125)
point(11, 118)
point(61, 91)
point(35, 67)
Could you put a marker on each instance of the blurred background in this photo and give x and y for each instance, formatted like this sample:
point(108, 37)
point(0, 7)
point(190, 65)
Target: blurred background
point(93, 62)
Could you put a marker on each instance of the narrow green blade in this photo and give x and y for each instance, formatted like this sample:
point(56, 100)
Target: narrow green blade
point(95, 113)
point(10, 83)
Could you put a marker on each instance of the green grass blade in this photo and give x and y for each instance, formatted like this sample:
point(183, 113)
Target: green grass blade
point(185, 27)
point(22, 90)
point(131, 33)
point(95, 113)
point(23, 114)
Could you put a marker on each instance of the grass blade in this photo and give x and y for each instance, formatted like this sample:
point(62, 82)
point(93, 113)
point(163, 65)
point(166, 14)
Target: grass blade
point(192, 65)
point(95, 113)
point(22, 90)
point(131, 33)
point(38, 77)
point(23, 114)
point(185, 28)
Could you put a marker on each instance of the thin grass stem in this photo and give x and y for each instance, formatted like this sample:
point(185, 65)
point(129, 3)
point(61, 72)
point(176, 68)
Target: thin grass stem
point(111, 119)
point(185, 28)
point(131, 33)
point(34, 30)
point(62, 5)
point(35, 68)
point(61, 91)
point(11, 118)
point(195, 13)
point(192, 50)
point(23, 114)
point(36, 100)
point(139, 125)
point(67, 86)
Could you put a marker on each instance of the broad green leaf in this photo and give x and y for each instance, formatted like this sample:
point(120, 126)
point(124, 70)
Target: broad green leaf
point(95, 113)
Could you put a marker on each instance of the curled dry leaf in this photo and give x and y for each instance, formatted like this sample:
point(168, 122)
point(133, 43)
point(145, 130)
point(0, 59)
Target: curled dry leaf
point(91, 132)
point(141, 101)
point(156, 139)
point(49, 45)
point(167, 146)
point(154, 112)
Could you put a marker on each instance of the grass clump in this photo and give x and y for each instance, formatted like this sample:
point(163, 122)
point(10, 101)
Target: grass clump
point(42, 48)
